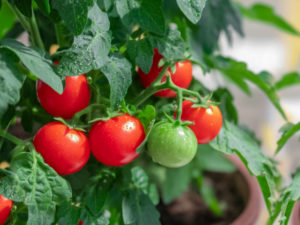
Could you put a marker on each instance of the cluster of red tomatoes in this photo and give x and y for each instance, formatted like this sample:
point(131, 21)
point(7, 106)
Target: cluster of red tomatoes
point(114, 142)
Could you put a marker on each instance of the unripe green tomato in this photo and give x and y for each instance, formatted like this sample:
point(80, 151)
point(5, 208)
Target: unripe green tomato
point(172, 145)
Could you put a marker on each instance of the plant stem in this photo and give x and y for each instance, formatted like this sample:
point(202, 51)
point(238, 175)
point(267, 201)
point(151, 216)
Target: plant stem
point(22, 19)
point(60, 36)
point(11, 138)
point(179, 104)
point(35, 33)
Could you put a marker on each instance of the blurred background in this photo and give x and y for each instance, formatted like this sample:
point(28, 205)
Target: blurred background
point(266, 48)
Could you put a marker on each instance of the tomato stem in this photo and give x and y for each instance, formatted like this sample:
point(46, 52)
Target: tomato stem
point(11, 138)
point(35, 33)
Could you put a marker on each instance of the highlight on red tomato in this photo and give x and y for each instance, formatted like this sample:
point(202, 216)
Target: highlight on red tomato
point(66, 150)
point(207, 121)
point(114, 142)
point(182, 77)
point(75, 97)
point(5, 208)
point(171, 145)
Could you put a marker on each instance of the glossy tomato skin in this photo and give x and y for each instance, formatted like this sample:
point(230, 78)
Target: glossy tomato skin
point(75, 97)
point(207, 121)
point(171, 145)
point(114, 142)
point(5, 208)
point(182, 77)
point(65, 150)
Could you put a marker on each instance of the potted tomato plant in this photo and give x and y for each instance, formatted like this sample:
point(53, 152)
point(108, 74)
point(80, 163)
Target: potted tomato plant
point(103, 123)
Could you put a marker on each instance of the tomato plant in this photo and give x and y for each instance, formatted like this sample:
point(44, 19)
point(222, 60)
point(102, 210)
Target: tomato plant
point(114, 142)
point(125, 68)
point(65, 150)
point(5, 208)
point(172, 145)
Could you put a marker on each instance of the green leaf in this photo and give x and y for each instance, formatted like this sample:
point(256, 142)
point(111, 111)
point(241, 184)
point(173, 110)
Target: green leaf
point(138, 209)
point(44, 6)
point(192, 9)
point(90, 49)
point(73, 13)
point(171, 46)
point(218, 16)
point(238, 73)
point(141, 52)
point(96, 198)
point(146, 116)
point(68, 214)
point(11, 80)
point(264, 13)
point(25, 6)
point(147, 14)
point(233, 139)
point(7, 20)
point(35, 62)
point(139, 178)
point(176, 181)
point(288, 80)
point(287, 134)
point(118, 72)
point(37, 185)
point(90, 219)
point(209, 159)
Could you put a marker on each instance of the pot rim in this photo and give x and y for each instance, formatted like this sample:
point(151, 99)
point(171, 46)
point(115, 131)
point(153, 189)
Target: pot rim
point(251, 212)
point(296, 214)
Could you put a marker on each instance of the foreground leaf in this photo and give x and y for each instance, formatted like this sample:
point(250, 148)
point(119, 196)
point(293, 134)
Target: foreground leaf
point(288, 80)
point(35, 62)
point(233, 139)
point(138, 209)
point(7, 19)
point(37, 185)
point(11, 80)
point(147, 14)
point(287, 134)
point(264, 13)
point(90, 49)
point(192, 9)
point(118, 72)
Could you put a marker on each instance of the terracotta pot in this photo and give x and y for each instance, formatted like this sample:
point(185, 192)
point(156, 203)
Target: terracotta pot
point(250, 214)
point(296, 214)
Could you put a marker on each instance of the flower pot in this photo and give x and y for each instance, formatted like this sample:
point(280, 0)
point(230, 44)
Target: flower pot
point(239, 191)
point(296, 214)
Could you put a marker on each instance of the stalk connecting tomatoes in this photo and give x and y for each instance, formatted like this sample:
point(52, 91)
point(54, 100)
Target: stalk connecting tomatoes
point(76, 96)
point(207, 121)
point(5, 208)
point(65, 150)
point(172, 145)
point(114, 142)
point(182, 77)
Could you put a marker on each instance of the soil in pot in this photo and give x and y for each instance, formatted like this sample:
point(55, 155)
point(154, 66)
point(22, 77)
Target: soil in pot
point(190, 209)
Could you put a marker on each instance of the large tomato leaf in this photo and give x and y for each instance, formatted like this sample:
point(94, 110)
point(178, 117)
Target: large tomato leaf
point(11, 80)
point(147, 14)
point(118, 72)
point(192, 9)
point(233, 139)
point(37, 185)
point(90, 49)
point(36, 62)
point(73, 13)
point(266, 14)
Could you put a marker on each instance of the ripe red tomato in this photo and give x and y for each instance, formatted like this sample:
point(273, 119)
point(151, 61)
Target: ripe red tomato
point(80, 222)
point(5, 207)
point(182, 77)
point(65, 150)
point(114, 142)
point(75, 97)
point(207, 121)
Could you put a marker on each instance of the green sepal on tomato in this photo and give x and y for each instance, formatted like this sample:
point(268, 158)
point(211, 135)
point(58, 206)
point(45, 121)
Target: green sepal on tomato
point(181, 78)
point(66, 150)
point(171, 144)
point(207, 120)
point(114, 142)
point(5, 208)
point(75, 97)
